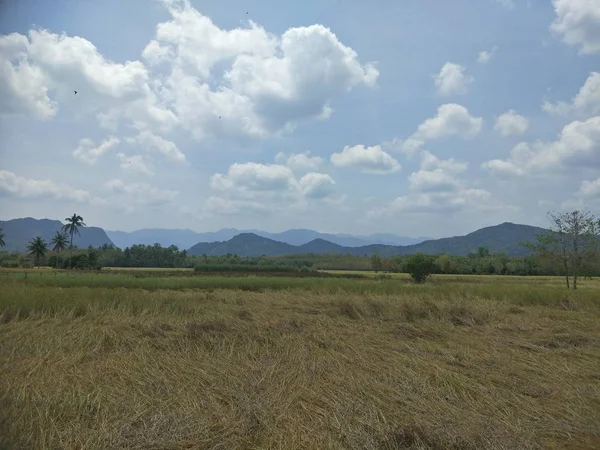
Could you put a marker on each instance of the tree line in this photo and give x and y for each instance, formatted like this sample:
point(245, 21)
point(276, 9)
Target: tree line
point(570, 248)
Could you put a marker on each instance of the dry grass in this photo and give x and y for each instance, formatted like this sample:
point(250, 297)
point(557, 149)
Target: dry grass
point(427, 368)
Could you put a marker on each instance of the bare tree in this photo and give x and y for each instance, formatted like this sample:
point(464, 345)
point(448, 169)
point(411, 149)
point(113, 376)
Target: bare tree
point(572, 240)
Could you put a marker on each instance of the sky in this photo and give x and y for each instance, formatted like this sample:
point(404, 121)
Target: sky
point(412, 117)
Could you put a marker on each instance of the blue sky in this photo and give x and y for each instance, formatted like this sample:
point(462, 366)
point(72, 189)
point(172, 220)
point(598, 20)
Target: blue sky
point(415, 117)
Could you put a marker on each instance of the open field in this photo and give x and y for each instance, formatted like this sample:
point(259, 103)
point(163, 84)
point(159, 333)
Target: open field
point(102, 361)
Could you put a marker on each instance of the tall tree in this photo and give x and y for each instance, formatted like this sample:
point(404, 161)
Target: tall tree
point(376, 262)
point(72, 227)
point(37, 248)
point(572, 240)
point(2, 244)
point(59, 242)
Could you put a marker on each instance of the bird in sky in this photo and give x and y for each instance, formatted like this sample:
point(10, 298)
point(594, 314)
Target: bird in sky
point(75, 92)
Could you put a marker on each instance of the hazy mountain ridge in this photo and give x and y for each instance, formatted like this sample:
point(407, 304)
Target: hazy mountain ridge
point(185, 238)
point(18, 233)
point(504, 238)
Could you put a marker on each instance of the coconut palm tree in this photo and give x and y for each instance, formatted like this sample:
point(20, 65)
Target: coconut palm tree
point(59, 242)
point(72, 227)
point(37, 248)
point(2, 244)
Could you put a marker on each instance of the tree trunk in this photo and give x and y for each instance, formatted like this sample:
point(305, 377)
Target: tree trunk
point(574, 280)
point(567, 274)
point(70, 251)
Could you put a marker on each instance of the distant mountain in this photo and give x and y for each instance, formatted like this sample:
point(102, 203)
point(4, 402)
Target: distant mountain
point(187, 238)
point(181, 238)
point(18, 232)
point(503, 238)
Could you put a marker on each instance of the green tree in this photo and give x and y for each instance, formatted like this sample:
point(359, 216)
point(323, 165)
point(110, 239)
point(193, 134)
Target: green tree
point(572, 240)
point(420, 266)
point(2, 244)
point(444, 262)
point(37, 248)
point(376, 262)
point(72, 227)
point(483, 252)
point(59, 243)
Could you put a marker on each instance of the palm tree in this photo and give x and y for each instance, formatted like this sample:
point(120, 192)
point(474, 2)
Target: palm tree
point(37, 248)
point(2, 244)
point(72, 227)
point(59, 242)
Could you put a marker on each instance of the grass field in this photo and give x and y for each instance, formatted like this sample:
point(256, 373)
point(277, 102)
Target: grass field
point(107, 361)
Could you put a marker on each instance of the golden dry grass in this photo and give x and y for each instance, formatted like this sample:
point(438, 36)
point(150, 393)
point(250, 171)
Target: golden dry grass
point(426, 368)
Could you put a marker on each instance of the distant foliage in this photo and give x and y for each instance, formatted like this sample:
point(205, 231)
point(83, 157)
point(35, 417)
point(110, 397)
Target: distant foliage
point(420, 266)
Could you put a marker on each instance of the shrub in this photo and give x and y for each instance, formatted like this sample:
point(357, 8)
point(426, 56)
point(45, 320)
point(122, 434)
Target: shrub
point(420, 266)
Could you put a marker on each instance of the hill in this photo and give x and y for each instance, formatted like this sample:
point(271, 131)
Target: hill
point(18, 232)
point(503, 238)
point(185, 238)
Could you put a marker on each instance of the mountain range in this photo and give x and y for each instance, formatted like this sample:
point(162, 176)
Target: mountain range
point(187, 238)
point(18, 233)
point(503, 238)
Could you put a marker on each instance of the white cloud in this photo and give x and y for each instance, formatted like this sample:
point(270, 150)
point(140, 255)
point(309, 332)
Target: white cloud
point(508, 4)
point(270, 83)
point(255, 177)
point(437, 188)
point(368, 159)
point(451, 120)
point(44, 63)
point(511, 123)
point(149, 141)
point(436, 175)
point(87, 152)
point(13, 185)
point(486, 56)
point(578, 145)
point(578, 21)
point(251, 188)
point(590, 189)
point(23, 85)
point(134, 163)
point(586, 102)
point(316, 185)
point(452, 80)
point(139, 193)
point(299, 161)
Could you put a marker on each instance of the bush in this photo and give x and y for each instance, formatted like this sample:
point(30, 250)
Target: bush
point(420, 266)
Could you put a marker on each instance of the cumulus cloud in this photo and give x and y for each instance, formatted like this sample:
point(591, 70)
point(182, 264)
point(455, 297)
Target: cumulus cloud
point(43, 63)
point(590, 189)
point(135, 164)
point(486, 56)
point(578, 21)
point(316, 185)
point(586, 102)
point(368, 159)
point(255, 177)
point(299, 161)
point(139, 193)
point(578, 146)
point(451, 80)
point(13, 185)
point(438, 188)
point(511, 123)
point(88, 153)
point(253, 187)
point(149, 141)
point(270, 83)
point(237, 84)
